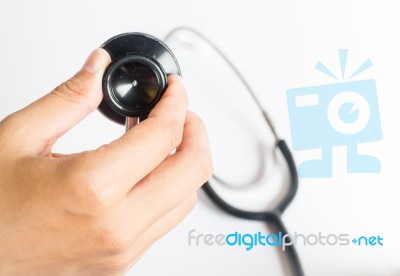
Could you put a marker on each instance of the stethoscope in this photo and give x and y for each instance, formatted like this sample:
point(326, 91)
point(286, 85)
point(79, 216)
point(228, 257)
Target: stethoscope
point(135, 81)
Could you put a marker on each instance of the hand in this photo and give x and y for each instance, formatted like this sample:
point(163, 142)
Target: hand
point(94, 212)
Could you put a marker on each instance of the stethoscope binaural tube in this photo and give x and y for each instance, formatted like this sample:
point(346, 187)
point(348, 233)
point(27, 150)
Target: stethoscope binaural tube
point(273, 216)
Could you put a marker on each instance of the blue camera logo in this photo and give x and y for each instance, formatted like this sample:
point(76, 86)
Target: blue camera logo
point(343, 113)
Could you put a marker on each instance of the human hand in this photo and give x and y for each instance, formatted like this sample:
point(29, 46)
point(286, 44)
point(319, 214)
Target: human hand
point(95, 212)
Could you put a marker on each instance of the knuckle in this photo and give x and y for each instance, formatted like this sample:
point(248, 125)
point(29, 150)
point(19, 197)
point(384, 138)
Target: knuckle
point(71, 87)
point(13, 122)
point(196, 120)
point(72, 90)
point(191, 203)
point(193, 116)
point(8, 125)
point(173, 131)
point(117, 265)
point(7, 120)
point(96, 201)
point(204, 165)
point(86, 189)
point(201, 153)
point(112, 242)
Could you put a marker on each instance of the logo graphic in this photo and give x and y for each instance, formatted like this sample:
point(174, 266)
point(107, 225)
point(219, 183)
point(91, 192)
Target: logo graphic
point(342, 113)
point(251, 240)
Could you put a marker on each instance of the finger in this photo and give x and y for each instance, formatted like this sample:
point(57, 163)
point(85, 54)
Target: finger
point(117, 167)
point(175, 86)
point(63, 155)
point(136, 246)
point(179, 176)
point(159, 229)
point(51, 116)
point(163, 226)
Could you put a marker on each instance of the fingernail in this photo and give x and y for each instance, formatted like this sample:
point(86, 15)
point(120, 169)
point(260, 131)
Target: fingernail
point(95, 61)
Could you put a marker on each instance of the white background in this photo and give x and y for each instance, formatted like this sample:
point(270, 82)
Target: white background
point(276, 45)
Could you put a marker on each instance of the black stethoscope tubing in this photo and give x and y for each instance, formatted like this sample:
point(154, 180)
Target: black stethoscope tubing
point(275, 215)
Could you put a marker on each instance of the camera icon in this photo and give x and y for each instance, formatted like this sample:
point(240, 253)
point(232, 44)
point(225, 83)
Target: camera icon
point(325, 116)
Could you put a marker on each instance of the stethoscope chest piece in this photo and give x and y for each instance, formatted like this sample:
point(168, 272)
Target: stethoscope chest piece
point(136, 78)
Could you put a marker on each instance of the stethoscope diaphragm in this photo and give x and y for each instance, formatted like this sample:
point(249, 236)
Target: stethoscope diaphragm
point(136, 78)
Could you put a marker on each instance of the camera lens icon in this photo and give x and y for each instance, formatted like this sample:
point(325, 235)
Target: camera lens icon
point(348, 113)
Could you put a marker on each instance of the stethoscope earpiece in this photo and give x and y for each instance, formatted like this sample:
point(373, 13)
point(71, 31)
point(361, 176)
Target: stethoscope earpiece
point(136, 78)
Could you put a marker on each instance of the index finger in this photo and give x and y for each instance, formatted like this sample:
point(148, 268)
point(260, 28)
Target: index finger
point(176, 179)
point(115, 168)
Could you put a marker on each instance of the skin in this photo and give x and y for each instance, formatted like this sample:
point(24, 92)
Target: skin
point(95, 212)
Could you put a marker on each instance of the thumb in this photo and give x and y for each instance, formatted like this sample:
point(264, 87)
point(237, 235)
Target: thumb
point(51, 116)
